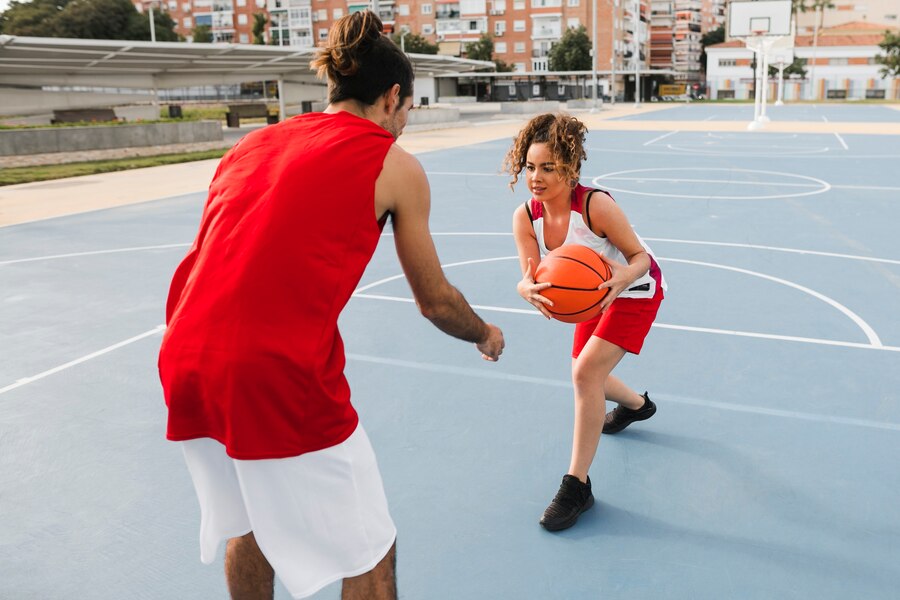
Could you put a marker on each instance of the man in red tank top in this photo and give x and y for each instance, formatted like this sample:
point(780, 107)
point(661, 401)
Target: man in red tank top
point(252, 362)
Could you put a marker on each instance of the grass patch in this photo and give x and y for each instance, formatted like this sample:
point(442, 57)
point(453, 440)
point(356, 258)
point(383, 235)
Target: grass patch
point(47, 172)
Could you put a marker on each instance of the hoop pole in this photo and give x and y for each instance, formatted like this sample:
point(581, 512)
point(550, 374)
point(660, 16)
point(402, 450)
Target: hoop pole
point(765, 82)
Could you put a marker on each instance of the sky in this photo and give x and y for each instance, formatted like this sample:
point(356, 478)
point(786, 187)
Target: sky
point(3, 5)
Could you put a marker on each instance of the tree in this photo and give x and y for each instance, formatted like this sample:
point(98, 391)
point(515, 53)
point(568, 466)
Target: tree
point(415, 44)
point(483, 49)
point(503, 66)
point(202, 34)
point(85, 19)
point(260, 20)
point(795, 68)
point(35, 18)
point(572, 52)
point(891, 57)
point(163, 27)
point(710, 38)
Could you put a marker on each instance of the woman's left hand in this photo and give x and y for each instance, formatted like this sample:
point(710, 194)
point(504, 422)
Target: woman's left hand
point(621, 278)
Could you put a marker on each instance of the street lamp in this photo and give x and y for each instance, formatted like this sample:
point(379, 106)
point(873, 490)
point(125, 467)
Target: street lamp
point(594, 55)
point(152, 25)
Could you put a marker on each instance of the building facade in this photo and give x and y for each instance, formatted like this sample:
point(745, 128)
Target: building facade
point(839, 65)
point(524, 31)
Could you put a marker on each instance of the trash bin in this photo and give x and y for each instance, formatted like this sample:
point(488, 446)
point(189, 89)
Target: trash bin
point(423, 101)
point(271, 119)
point(174, 111)
point(306, 106)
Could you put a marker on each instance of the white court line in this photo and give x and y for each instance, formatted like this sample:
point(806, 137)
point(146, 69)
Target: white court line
point(841, 140)
point(824, 118)
point(499, 375)
point(656, 139)
point(732, 332)
point(775, 249)
point(710, 118)
point(92, 253)
point(866, 328)
point(714, 181)
point(78, 361)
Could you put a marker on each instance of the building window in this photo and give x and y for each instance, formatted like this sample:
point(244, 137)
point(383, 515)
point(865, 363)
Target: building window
point(242, 19)
point(499, 28)
point(574, 2)
point(519, 48)
point(186, 22)
point(545, 3)
point(518, 4)
point(322, 15)
point(499, 7)
point(337, 13)
point(260, 3)
point(173, 5)
point(186, 7)
point(519, 67)
point(518, 25)
point(573, 22)
point(323, 34)
point(428, 29)
point(242, 2)
point(244, 38)
point(404, 10)
point(426, 9)
point(500, 47)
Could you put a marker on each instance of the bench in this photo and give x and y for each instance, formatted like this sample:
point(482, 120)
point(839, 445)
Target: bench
point(836, 94)
point(248, 111)
point(875, 94)
point(81, 115)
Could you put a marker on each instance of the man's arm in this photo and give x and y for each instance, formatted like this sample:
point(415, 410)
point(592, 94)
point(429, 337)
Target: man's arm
point(402, 188)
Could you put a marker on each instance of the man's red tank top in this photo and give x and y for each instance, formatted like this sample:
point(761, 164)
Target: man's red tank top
point(252, 356)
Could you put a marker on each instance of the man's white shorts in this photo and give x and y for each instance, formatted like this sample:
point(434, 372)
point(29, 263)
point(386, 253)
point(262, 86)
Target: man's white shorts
point(317, 518)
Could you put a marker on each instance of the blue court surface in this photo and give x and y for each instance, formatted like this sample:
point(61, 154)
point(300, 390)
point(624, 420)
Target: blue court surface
point(716, 111)
point(769, 471)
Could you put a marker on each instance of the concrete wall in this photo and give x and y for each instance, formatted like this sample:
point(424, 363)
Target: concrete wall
point(529, 107)
point(432, 115)
point(16, 101)
point(73, 139)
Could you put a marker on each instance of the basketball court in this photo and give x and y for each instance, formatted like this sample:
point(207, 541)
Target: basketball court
point(768, 471)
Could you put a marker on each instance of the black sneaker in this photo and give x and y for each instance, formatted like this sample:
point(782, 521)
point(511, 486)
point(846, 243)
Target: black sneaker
point(572, 499)
point(620, 417)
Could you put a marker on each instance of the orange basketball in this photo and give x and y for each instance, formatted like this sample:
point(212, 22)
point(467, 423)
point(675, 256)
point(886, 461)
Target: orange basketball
point(575, 272)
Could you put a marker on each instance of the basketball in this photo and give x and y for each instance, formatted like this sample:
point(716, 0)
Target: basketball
point(575, 272)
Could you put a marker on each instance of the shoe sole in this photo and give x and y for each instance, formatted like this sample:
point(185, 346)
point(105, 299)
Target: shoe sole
point(651, 412)
point(573, 520)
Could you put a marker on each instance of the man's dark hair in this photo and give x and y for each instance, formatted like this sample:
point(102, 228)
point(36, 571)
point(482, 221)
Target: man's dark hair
point(360, 62)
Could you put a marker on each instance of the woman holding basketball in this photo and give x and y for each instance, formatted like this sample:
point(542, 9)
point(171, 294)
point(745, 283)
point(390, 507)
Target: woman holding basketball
point(550, 150)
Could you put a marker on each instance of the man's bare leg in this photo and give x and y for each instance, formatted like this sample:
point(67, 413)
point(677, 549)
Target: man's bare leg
point(247, 572)
point(378, 584)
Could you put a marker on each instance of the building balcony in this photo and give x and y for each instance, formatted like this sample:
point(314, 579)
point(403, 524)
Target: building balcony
point(446, 14)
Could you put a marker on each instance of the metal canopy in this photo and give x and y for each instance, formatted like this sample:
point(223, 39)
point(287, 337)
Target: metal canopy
point(33, 61)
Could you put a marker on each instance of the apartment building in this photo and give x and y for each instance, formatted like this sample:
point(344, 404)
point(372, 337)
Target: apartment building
point(228, 20)
point(523, 30)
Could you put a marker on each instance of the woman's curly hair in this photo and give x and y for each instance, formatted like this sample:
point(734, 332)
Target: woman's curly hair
point(563, 134)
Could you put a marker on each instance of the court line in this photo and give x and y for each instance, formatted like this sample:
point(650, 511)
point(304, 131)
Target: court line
point(866, 328)
point(92, 253)
point(776, 249)
point(503, 234)
point(496, 374)
point(711, 330)
point(714, 181)
point(656, 139)
point(841, 140)
point(26, 380)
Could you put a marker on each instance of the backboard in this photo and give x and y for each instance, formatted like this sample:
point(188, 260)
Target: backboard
point(749, 18)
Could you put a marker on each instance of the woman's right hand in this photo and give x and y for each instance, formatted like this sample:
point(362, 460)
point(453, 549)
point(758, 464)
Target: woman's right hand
point(531, 291)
